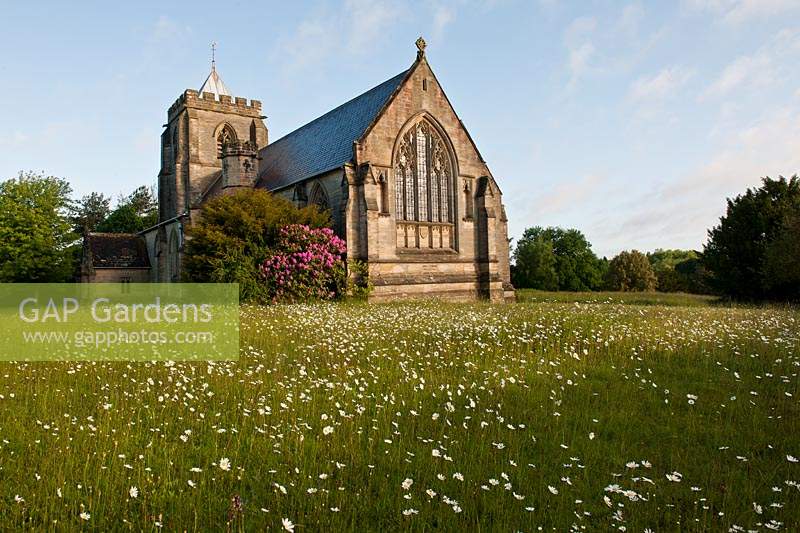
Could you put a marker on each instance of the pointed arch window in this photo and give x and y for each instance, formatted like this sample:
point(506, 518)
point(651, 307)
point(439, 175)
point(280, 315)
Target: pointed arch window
point(423, 176)
point(319, 198)
point(225, 136)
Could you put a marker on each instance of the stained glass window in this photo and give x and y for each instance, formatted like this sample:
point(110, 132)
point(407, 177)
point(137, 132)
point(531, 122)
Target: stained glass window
point(423, 173)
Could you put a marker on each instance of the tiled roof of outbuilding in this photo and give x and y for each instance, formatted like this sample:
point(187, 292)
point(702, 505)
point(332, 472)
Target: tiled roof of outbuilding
point(325, 143)
point(117, 250)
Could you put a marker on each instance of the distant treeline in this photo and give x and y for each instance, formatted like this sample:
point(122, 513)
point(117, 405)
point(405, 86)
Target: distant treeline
point(752, 254)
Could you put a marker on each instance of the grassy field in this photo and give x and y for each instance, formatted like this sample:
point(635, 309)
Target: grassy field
point(632, 298)
point(431, 416)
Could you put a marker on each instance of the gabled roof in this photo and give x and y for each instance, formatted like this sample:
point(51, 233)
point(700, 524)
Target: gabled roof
point(117, 250)
point(214, 84)
point(325, 143)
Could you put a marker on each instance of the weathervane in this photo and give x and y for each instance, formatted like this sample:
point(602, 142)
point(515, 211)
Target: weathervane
point(421, 44)
point(213, 54)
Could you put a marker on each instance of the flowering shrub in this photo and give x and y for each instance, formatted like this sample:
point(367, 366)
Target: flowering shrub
point(234, 235)
point(306, 264)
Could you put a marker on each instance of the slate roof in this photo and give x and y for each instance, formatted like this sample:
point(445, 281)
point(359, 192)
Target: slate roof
point(117, 250)
point(325, 143)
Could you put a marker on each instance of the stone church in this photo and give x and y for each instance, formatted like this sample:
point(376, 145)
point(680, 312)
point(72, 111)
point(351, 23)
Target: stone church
point(405, 184)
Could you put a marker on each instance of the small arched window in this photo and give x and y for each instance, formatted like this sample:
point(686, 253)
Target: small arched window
point(225, 136)
point(319, 198)
point(423, 176)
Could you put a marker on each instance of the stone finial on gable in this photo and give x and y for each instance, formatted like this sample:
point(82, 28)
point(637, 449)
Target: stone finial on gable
point(421, 44)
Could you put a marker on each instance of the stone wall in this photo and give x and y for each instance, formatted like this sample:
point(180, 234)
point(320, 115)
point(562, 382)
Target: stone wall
point(118, 275)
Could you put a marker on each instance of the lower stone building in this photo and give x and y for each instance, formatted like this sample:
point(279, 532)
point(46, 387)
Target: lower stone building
point(405, 183)
point(115, 258)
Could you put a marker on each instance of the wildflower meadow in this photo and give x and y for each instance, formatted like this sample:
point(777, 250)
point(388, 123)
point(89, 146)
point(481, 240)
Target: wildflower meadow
point(544, 415)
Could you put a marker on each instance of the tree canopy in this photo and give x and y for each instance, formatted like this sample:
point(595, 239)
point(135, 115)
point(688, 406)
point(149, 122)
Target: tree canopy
point(782, 260)
point(631, 271)
point(556, 259)
point(678, 270)
point(89, 212)
point(133, 213)
point(35, 229)
point(751, 253)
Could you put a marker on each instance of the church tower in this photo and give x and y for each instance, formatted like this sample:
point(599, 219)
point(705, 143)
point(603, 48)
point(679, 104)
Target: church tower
point(199, 124)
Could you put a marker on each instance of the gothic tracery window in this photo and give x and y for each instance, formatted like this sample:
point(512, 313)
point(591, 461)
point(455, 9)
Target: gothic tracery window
point(319, 198)
point(226, 135)
point(423, 176)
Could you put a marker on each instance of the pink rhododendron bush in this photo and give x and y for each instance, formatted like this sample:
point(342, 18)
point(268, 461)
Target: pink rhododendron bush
point(306, 264)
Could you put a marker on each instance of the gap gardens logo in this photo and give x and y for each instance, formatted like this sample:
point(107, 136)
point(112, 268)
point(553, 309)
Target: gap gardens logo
point(113, 321)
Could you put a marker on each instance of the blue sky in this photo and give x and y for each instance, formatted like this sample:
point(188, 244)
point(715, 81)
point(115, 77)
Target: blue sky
point(632, 121)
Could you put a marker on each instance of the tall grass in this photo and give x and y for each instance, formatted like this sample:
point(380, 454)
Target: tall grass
point(632, 298)
point(501, 417)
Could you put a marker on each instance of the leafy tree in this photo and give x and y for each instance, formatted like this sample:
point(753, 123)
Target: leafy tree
point(143, 201)
point(663, 259)
point(736, 253)
point(135, 212)
point(693, 276)
point(236, 233)
point(631, 271)
point(89, 212)
point(556, 258)
point(782, 260)
point(35, 229)
point(670, 278)
point(535, 264)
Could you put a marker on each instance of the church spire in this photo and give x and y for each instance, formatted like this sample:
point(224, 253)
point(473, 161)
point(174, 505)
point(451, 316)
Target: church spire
point(214, 83)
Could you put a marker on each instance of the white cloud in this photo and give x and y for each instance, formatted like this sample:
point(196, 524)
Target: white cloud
point(744, 69)
point(738, 11)
point(579, 63)
point(320, 36)
point(373, 17)
point(767, 146)
point(651, 95)
point(661, 85)
point(163, 44)
point(564, 196)
point(15, 138)
point(580, 48)
point(167, 30)
point(308, 45)
point(762, 68)
point(442, 17)
point(579, 31)
point(678, 213)
point(632, 15)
